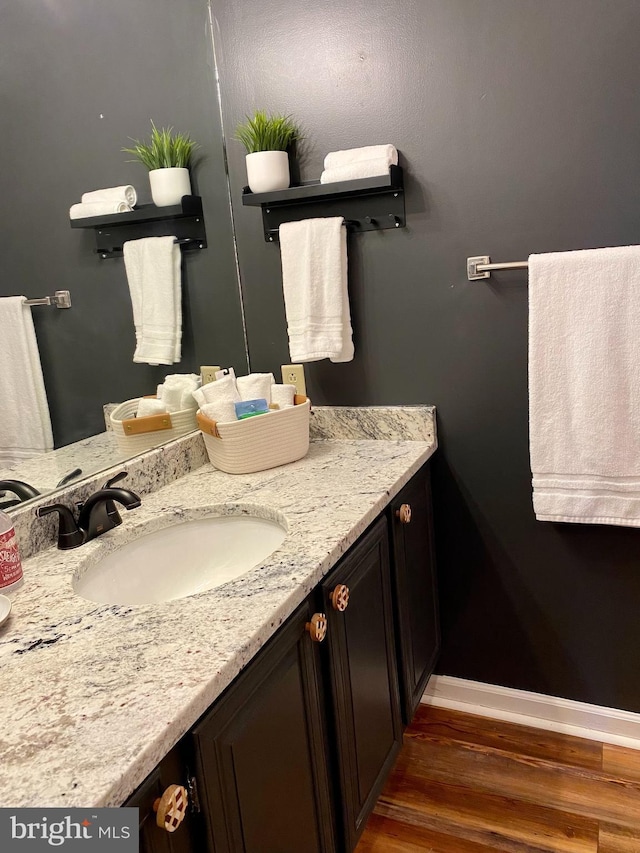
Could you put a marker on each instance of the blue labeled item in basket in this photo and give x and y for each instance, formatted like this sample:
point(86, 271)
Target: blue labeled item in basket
point(249, 408)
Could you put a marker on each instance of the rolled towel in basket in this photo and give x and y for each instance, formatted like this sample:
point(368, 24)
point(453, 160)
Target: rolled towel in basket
point(177, 391)
point(283, 395)
point(222, 411)
point(348, 156)
point(222, 390)
point(126, 193)
point(255, 386)
point(97, 208)
point(150, 406)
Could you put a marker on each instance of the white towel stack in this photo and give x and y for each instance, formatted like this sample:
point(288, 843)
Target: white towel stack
point(153, 273)
point(255, 386)
point(25, 424)
point(106, 201)
point(217, 399)
point(584, 385)
point(356, 163)
point(282, 395)
point(314, 280)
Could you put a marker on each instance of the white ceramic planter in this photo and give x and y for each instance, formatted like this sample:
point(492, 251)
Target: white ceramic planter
point(268, 171)
point(169, 185)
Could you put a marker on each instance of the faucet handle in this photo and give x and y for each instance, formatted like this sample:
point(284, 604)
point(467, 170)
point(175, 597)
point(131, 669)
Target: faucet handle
point(111, 508)
point(69, 534)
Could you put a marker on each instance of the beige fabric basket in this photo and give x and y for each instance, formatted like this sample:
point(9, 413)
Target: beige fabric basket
point(134, 435)
point(258, 443)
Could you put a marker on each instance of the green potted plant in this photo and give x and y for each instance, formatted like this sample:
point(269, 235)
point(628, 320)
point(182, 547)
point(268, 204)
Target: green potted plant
point(167, 155)
point(267, 138)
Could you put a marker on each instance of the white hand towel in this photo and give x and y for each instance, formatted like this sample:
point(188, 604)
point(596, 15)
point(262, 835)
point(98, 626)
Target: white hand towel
point(255, 386)
point(126, 193)
point(314, 280)
point(25, 423)
point(584, 385)
point(149, 406)
point(353, 171)
point(222, 411)
point(348, 156)
point(176, 391)
point(153, 272)
point(97, 208)
point(283, 395)
point(222, 390)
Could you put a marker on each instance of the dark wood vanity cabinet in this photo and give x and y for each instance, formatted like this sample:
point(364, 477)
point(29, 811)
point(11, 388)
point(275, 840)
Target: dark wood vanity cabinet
point(415, 588)
point(294, 754)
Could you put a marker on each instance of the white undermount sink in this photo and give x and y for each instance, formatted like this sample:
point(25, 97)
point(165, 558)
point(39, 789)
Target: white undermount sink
point(180, 560)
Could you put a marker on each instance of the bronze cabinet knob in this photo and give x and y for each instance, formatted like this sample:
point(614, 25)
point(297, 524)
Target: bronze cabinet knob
point(339, 597)
point(404, 513)
point(171, 807)
point(317, 627)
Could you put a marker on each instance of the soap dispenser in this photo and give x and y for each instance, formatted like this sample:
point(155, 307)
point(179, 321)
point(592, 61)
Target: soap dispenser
point(10, 565)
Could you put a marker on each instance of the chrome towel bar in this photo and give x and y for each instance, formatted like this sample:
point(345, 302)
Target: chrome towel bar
point(481, 266)
point(61, 299)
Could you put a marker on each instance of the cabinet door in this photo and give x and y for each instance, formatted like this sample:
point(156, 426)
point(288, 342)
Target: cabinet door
point(415, 589)
point(261, 753)
point(186, 838)
point(361, 662)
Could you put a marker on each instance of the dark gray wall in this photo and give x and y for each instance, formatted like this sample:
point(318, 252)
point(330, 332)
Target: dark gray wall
point(78, 79)
point(518, 125)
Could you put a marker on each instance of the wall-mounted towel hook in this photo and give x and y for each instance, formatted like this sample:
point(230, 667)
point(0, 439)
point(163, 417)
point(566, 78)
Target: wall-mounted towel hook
point(395, 219)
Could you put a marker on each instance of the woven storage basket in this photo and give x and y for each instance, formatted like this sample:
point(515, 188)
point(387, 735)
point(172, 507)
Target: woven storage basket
point(258, 443)
point(134, 435)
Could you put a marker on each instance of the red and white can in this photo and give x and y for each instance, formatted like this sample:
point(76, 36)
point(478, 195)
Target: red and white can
point(10, 565)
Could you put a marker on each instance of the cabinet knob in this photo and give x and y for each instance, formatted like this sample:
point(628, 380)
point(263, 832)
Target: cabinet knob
point(404, 513)
point(339, 597)
point(171, 807)
point(317, 627)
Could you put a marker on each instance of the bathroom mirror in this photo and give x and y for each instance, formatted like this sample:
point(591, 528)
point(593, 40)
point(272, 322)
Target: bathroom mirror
point(70, 108)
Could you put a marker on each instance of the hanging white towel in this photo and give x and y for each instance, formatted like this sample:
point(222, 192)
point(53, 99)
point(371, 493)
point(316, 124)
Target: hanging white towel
point(584, 385)
point(153, 272)
point(314, 280)
point(25, 423)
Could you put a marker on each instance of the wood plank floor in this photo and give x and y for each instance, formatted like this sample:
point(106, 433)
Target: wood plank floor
point(465, 784)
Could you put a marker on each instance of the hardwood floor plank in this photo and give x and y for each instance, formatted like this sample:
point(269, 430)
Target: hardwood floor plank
point(584, 792)
point(385, 835)
point(621, 761)
point(524, 740)
point(486, 818)
point(617, 839)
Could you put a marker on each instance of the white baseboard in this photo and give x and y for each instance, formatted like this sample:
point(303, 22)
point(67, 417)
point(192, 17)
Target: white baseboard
point(579, 719)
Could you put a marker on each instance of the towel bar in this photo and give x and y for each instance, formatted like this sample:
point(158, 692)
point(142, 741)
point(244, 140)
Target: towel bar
point(61, 299)
point(481, 266)
point(191, 242)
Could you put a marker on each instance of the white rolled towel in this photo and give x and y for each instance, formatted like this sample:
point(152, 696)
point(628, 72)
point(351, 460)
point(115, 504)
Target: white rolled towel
point(353, 171)
point(336, 159)
point(221, 411)
point(283, 395)
point(177, 391)
point(126, 193)
point(255, 386)
point(97, 208)
point(222, 390)
point(150, 406)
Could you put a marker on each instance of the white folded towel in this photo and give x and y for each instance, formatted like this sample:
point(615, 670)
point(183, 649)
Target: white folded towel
point(255, 386)
point(176, 392)
point(388, 153)
point(353, 171)
point(222, 411)
point(314, 280)
point(584, 385)
point(222, 390)
point(283, 395)
point(97, 208)
point(25, 423)
point(153, 272)
point(149, 406)
point(126, 193)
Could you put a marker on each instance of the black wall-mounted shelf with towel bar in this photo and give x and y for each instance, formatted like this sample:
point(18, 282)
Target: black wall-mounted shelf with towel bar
point(184, 220)
point(367, 204)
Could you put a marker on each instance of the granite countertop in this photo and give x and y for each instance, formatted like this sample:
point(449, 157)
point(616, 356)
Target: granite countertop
point(93, 696)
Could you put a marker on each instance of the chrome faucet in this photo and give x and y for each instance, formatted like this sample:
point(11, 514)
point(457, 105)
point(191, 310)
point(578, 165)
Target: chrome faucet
point(96, 516)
